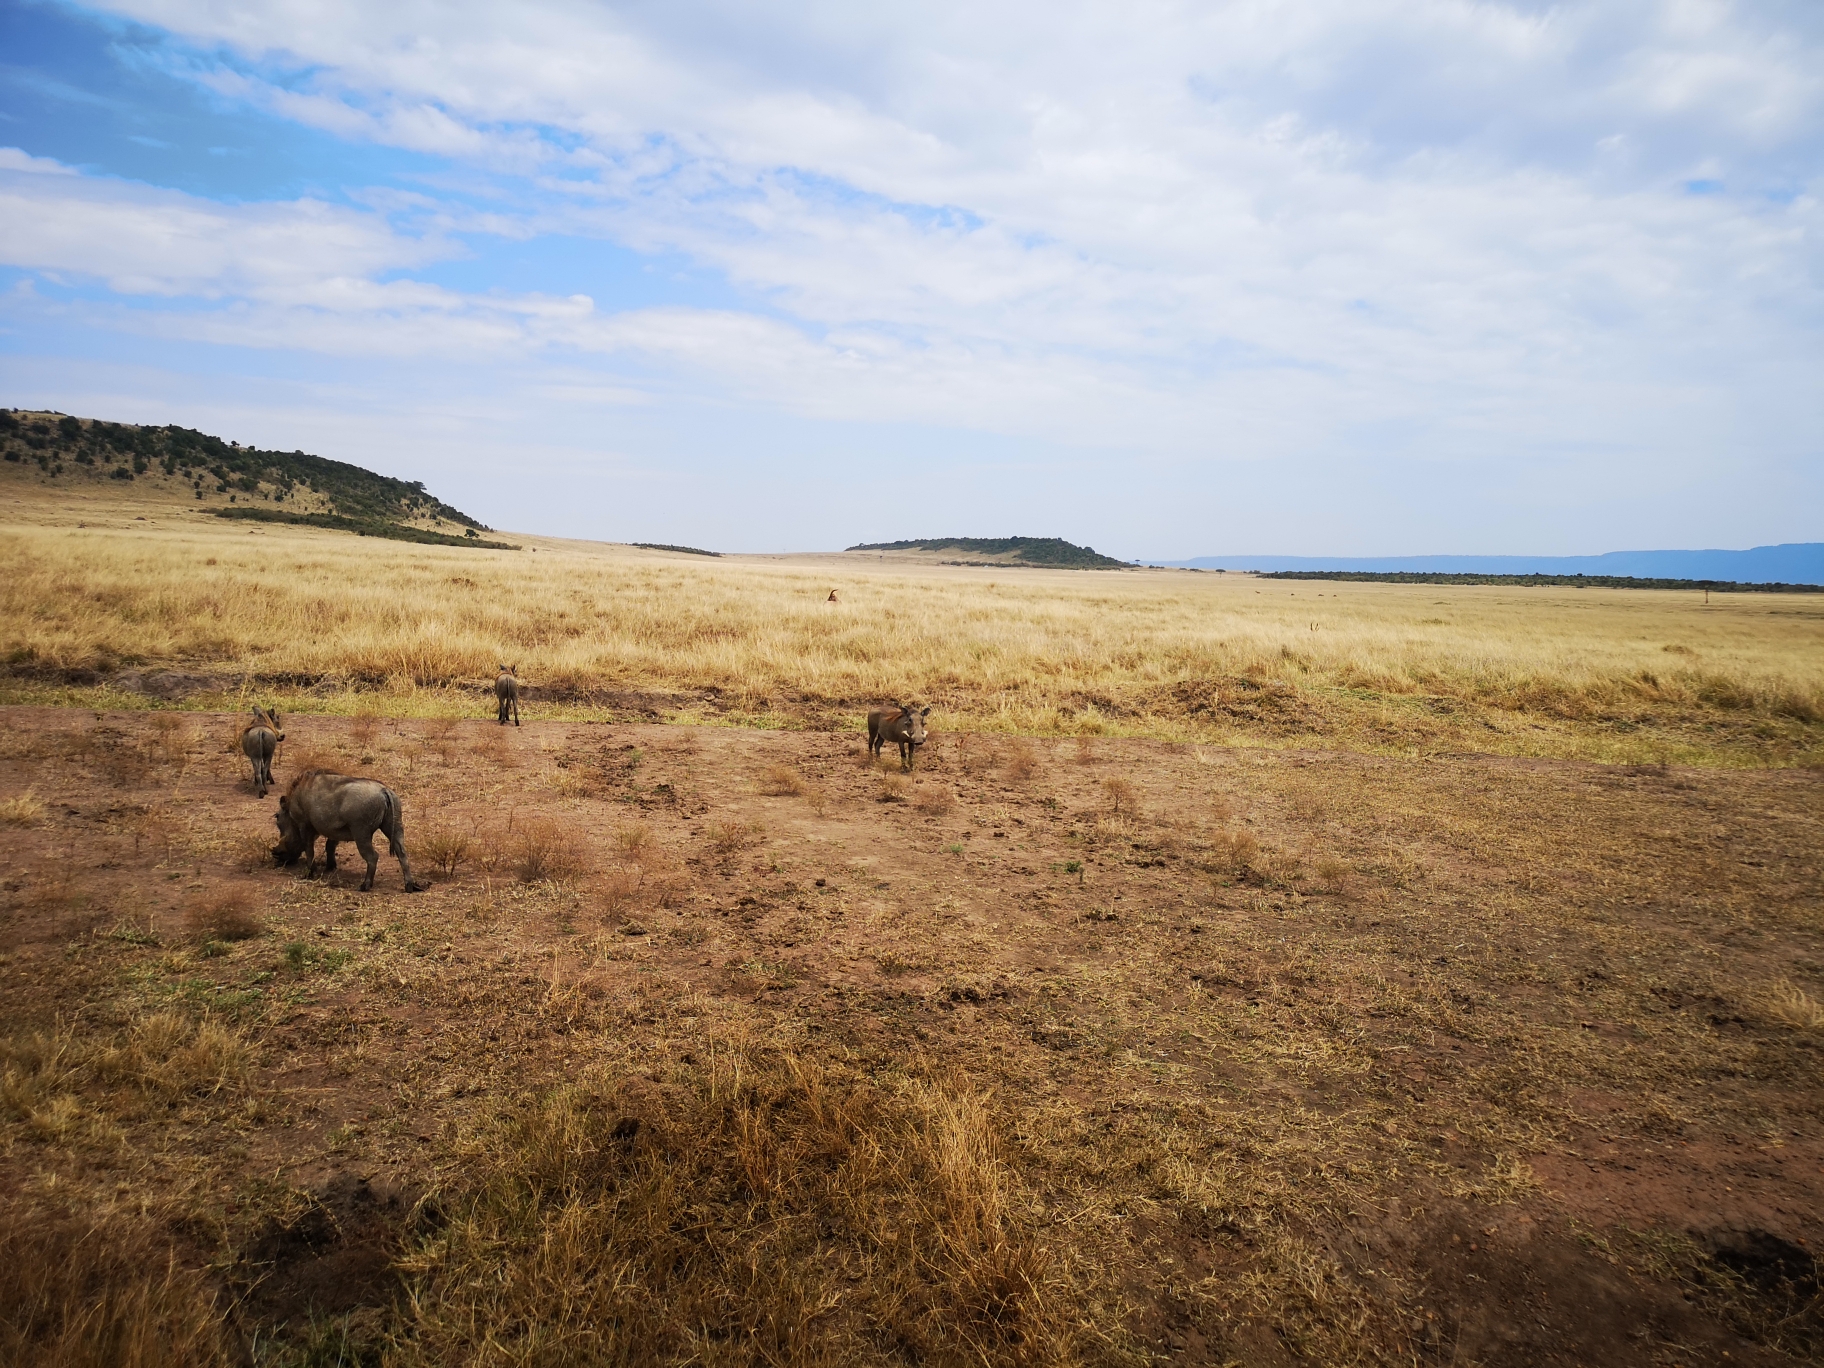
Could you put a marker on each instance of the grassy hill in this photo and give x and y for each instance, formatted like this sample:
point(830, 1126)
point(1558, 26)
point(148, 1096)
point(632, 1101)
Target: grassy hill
point(1053, 552)
point(60, 449)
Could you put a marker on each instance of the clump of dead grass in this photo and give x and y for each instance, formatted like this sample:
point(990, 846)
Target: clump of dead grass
point(230, 914)
point(1022, 761)
point(782, 781)
point(23, 810)
point(808, 1215)
point(102, 1292)
point(1791, 1005)
point(728, 839)
point(1234, 852)
point(548, 851)
point(935, 800)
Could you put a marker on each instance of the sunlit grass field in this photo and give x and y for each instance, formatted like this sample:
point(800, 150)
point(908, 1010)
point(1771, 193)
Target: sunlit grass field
point(327, 621)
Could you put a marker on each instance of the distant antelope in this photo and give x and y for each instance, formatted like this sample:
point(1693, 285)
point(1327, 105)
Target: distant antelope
point(506, 691)
point(259, 741)
point(898, 724)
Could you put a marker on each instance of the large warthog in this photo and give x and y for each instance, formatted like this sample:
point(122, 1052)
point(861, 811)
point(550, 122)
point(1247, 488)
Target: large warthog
point(338, 807)
point(506, 693)
point(900, 724)
point(259, 740)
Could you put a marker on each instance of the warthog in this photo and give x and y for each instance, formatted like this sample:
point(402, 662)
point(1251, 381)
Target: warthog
point(338, 807)
point(506, 693)
point(897, 723)
point(259, 739)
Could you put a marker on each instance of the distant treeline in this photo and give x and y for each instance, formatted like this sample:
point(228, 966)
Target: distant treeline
point(682, 550)
point(1048, 551)
point(363, 527)
point(123, 451)
point(1573, 581)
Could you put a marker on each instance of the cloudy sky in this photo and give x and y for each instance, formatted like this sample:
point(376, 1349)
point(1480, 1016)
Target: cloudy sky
point(1270, 276)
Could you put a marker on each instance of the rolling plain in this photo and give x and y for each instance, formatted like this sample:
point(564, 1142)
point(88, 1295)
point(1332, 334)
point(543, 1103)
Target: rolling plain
point(1402, 975)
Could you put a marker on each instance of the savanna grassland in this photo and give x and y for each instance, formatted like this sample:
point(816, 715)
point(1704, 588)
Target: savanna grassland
point(1402, 976)
point(321, 620)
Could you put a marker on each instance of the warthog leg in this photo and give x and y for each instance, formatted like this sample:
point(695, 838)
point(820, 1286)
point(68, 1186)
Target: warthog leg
point(365, 844)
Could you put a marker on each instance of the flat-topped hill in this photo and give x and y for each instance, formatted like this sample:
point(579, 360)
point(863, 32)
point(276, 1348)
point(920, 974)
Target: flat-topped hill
point(1053, 552)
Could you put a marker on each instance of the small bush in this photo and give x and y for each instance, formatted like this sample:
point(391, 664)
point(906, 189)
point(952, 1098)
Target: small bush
point(634, 843)
point(782, 781)
point(228, 915)
point(1235, 852)
point(728, 839)
point(935, 800)
point(446, 849)
point(1122, 796)
point(548, 852)
point(892, 789)
point(1022, 761)
point(1332, 873)
point(620, 890)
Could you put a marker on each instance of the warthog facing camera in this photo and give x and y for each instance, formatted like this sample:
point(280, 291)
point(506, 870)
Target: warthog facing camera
point(506, 693)
point(338, 807)
point(899, 724)
point(259, 740)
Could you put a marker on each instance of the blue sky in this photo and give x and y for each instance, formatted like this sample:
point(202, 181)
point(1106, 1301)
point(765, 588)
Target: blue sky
point(1347, 277)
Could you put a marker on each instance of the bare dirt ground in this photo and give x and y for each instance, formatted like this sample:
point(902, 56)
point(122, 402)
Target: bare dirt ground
point(1290, 1057)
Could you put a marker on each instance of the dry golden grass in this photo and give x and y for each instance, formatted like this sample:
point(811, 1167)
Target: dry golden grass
point(23, 810)
point(107, 1295)
point(226, 915)
point(1608, 674)
point(759, 1200)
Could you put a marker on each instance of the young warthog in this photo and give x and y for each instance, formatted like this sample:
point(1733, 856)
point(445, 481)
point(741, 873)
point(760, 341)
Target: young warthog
point(259, 739)
point(897, 723)
point(340, 808)
point(506, 692)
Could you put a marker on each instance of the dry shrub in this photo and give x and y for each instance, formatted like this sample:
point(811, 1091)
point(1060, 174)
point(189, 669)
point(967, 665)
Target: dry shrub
point(102, 1293)
point(251, 851)
point(1022, 761)
point(1234, 852)
point(1332, 874)
point(935, 800)
point(24, 810)
point(445, 848)
point(227, 915)
point(363, 728)
point(782, 781)
point(620, 891)
point(892, 788)
point(169, 741)
point(634, 843)
point(740, 1205)
point(1122, 796)
point(729, 839)
point(1793, 1006)
point(548, 851)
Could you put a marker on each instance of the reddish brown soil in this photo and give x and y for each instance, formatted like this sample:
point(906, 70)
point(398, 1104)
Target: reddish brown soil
point(1495, 1048)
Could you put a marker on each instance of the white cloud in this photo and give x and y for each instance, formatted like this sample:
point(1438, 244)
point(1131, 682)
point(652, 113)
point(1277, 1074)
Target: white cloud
point(1254, 229)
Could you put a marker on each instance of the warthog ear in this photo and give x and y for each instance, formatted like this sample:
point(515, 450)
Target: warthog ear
point(925, 713)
